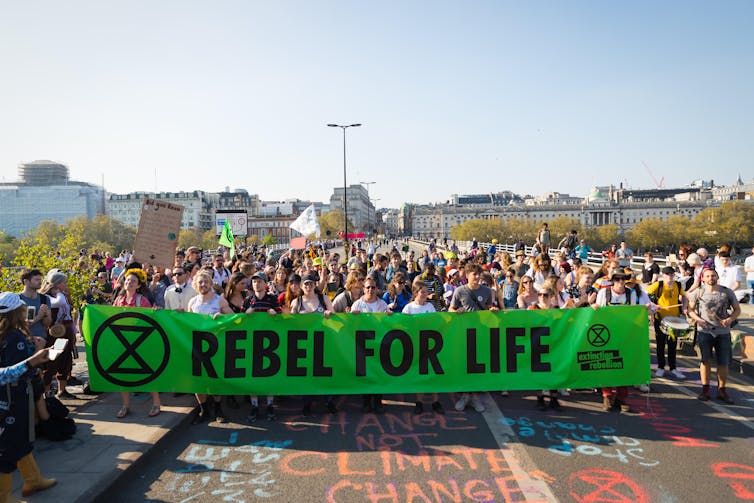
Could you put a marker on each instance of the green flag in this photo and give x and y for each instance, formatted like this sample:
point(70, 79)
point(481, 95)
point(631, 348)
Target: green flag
point(226, 239)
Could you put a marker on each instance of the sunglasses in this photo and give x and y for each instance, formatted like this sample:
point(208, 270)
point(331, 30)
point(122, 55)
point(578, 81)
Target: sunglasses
point(177, 274)
point(526, 282)
point(369, 287)
point(543, 295)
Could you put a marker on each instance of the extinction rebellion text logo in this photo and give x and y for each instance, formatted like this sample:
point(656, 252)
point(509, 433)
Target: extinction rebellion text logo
point(130, 349)
point(599, 359)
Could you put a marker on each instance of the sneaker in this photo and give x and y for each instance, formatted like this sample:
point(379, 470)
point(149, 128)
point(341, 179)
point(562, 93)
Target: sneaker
point(418, 408)
point(678, 374)
point(271, 413)
point(644, 388)
point(254, 413)
point(607, 404)
point(564, 392)
point(505, 393)
point(541, 403)
point(555, 404)
point(704, 396)
point(659, 372)
point(437, 407)
point(722, 395)
point(331, 408)
point(462, 402)
point(476, 402)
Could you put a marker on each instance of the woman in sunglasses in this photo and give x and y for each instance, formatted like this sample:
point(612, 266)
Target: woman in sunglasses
point(527, 295)
point(397, 296)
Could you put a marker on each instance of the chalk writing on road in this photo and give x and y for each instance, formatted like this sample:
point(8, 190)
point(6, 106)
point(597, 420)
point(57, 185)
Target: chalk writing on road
point(566, 439)
point(229, 471)
point(596, 486)
point(395, 457)
point(740, 478)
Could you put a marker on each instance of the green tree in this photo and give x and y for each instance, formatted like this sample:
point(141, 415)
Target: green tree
point(650, 233)
point(332, 221)
point(268, 240)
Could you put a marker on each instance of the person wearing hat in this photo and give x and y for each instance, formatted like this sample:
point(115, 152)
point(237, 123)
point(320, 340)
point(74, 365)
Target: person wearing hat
point(55, 287)
point(616, 295)
point(520, 266)
point(670, 301)
point(261, 301)
point(17, 418)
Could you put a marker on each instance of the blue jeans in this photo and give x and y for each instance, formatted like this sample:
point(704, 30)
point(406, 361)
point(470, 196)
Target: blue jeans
point(750, 286)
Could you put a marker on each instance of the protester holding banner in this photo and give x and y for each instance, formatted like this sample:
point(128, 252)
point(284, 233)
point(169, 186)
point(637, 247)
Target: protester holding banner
point(616, 295)
point(527, 295)
point(236, 292)
point(472, 296)
point(546, 300)
point(207, 301)
point(133, 294)
point(397, 296)
point(370, 303)
point(353, 290)
point(421, 305)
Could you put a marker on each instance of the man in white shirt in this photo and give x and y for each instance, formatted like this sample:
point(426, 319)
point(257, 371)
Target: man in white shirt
point(178, 295)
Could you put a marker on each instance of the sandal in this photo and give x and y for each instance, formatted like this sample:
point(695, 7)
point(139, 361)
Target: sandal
point(154, 411)
point(122, 412)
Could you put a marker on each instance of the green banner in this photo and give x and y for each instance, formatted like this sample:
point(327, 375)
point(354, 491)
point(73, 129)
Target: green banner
point(306, 354)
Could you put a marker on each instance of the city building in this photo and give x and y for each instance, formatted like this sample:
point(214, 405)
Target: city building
point(46, 192)
point(198, 207)
point(602, 206)
point(361, 212)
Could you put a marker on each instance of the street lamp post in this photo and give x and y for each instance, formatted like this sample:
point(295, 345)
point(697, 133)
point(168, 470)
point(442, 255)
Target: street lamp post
point(376, 225)
point(368, 203)
point(345, 193)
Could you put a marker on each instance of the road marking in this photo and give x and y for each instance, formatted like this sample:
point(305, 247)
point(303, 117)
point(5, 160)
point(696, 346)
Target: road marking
point(533, 489)
point(718, 407)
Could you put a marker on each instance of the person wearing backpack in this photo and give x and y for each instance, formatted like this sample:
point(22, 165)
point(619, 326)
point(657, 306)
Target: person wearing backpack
point(714, 308)
point(668, 295)
point(616, 295)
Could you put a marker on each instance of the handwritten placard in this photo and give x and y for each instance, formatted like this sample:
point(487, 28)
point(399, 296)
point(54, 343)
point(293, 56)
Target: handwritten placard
point(157, 236)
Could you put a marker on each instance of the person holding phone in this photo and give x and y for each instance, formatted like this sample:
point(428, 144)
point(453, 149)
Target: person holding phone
point(16, 347)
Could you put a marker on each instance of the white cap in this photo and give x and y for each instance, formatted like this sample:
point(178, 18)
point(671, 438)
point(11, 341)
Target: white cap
point(10, 301)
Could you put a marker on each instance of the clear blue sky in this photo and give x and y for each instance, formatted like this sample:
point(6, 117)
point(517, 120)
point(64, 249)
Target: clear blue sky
point(455, 97)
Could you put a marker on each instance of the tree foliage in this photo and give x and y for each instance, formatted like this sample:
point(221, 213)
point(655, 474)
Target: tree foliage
point(332, 222)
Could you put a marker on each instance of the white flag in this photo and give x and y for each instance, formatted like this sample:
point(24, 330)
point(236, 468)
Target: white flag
point(307, 223)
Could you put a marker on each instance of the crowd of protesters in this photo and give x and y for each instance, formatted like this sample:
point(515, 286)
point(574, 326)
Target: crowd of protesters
point(389, 277)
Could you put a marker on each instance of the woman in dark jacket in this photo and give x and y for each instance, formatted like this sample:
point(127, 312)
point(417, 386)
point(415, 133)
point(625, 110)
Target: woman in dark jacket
point(16, 403)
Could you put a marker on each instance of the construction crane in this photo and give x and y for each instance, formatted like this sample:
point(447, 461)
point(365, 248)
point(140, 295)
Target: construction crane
point(660, 184)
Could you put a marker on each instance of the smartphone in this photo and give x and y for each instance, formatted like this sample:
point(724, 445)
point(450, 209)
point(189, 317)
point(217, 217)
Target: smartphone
point(57, 348)
point(332, 287)
point(31, 312)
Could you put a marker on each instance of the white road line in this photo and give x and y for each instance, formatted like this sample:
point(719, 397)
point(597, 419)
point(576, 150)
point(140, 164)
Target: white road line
point(533, 489)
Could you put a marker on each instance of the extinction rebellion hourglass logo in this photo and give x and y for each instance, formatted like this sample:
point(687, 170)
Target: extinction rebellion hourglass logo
point(598, 336)
point(130, 349)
